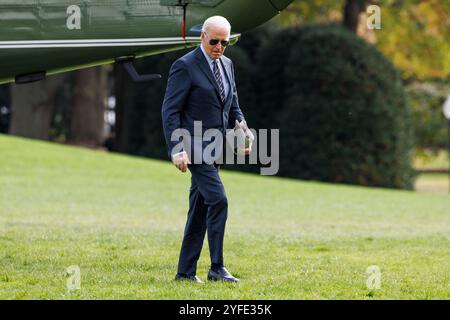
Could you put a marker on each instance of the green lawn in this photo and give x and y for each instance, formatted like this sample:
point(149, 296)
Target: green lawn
point(121, 219)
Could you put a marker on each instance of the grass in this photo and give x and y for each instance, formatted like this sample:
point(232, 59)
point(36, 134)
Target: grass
point(121, 219)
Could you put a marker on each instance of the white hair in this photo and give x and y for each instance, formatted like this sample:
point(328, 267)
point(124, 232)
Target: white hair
point(216, 21)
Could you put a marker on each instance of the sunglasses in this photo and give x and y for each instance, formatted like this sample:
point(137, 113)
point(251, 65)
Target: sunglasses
point(214, 42)
point(223, 43)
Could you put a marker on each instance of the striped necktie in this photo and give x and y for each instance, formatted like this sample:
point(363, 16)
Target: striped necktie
point(219, 80)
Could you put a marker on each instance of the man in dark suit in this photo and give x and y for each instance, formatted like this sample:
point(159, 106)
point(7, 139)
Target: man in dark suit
point(201, 87)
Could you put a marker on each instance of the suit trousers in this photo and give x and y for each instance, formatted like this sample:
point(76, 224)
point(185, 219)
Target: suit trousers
point(208, 211)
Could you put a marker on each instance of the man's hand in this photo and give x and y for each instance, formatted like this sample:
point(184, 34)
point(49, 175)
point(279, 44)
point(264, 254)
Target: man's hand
point(249, 138)
point(245, 151)
point(181, 160)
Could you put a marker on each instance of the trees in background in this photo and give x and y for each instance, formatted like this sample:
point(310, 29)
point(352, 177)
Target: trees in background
point(67, 107)
point(352, 13)
point(87, 113)
point(342, 112)
point(426, 100)
point(32, 107)
point(5, 108)
point(414, 34)
point(121, 88)
point(138, 128)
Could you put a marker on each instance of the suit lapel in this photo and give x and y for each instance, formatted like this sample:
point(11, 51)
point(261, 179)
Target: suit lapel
point(227, 69)
point(203, 64)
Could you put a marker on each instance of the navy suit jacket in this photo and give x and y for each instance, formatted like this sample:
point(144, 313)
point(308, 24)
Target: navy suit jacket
point(192, 94)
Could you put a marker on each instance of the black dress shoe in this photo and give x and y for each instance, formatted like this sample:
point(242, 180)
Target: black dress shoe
point(180, 277)
point(221, 274)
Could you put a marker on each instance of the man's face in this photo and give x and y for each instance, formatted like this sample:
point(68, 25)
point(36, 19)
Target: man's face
point(215, 33)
